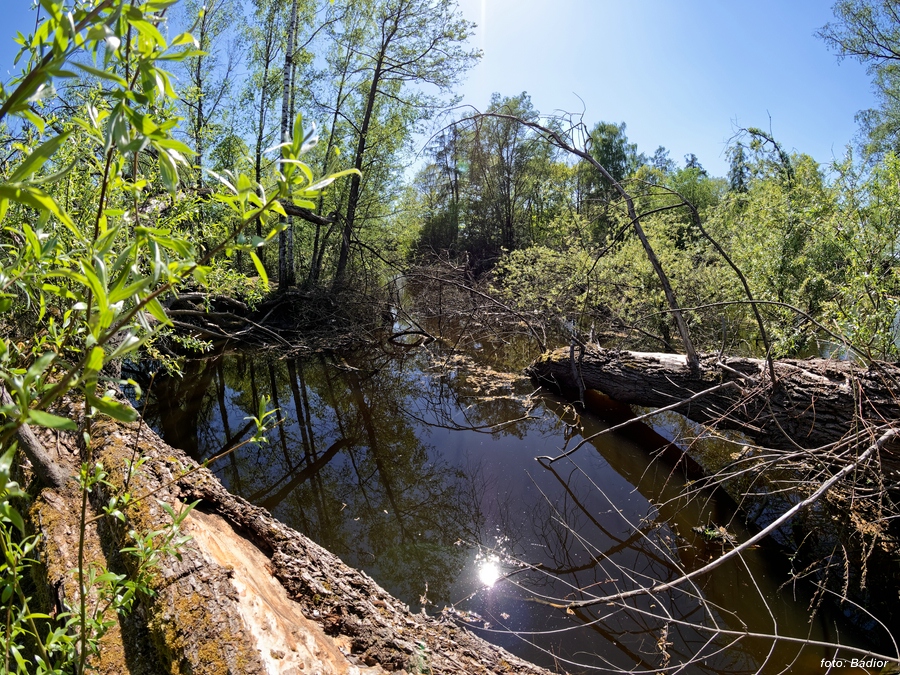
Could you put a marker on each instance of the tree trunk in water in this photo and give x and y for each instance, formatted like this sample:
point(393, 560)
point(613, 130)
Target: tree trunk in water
point(249, 595)
point(814, 402)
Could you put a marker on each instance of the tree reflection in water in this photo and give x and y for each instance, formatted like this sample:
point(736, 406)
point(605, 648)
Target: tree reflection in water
point(417, 466)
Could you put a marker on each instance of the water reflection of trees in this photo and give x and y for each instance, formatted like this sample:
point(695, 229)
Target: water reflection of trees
point(351, 464)
point(595, 545)
point(343, 463)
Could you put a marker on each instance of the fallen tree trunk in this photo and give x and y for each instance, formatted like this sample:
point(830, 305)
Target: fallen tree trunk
point(814, 405)
point(247, 596)
point(815, 402)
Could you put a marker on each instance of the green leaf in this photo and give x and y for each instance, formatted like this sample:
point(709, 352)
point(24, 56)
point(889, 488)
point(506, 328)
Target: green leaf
point(7, 512)
point(36, 159)
point(156, 309)
point(6, 461)
point(260, 270)
point(40, 365)
point(39, 200)
point(185, 39)
point(103, 74)
point(35, 119)
point(114, 409)
point(168, 172)
point(129, 291)
point(95, 284)
point(128, 345)
point(95, 360)
point(149, 31)
point(45, 419)
point(172, 144)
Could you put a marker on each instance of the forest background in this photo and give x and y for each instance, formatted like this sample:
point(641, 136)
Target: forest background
point(380, 79)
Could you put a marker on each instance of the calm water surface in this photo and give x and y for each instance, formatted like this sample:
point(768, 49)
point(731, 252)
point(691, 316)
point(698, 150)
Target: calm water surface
point(418, 466)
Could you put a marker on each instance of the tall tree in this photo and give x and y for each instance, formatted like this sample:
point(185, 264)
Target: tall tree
point(869, 31)
point(738, 169)
point(609, 145)
point(345, 29)
point(691, 161)
point(286, 276)
point(412, 45)
point(661, 160)
point(439, 188)
point(211, 73)
point(505, 163)
point(266, 41)
point(265, 37)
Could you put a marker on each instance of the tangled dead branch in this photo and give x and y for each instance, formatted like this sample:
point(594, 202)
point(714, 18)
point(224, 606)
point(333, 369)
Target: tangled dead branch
point(823, 476)
point(292, 320)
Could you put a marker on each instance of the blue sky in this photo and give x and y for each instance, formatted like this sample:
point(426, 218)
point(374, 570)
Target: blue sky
point(681, 73)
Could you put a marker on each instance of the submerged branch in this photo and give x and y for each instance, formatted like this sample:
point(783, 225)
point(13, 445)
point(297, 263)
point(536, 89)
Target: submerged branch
point(759, 536)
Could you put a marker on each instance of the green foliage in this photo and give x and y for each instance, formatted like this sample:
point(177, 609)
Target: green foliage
point(869, 31)
point(858, 259)
point(231, 283)
point(546, 282)
point(87, 259)
point(819, 254)
point(492, 184)
point(36, 643)
point(609, 145)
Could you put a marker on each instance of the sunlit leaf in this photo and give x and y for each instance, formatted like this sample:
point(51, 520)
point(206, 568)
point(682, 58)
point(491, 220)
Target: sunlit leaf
point(45, 419)
point(36, 159)
point(111, 408)
point(260, 269)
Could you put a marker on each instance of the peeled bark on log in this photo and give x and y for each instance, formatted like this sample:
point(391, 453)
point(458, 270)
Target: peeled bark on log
point(248, 596)
point(814, 402)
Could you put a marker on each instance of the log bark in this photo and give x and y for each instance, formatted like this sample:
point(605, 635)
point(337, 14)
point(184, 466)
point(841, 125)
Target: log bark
point(48, 471)
point(248, 595)
point(814, 402)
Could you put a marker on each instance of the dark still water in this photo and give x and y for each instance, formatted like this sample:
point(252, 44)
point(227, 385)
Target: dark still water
point(418, 466)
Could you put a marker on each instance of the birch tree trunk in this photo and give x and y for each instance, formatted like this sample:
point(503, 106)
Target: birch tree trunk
point(286, 276)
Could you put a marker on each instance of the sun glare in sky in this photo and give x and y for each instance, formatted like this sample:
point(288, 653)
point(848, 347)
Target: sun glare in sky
point(685, 75)
point(488, 572)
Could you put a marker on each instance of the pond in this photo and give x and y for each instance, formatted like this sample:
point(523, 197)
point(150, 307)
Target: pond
point(417, 465)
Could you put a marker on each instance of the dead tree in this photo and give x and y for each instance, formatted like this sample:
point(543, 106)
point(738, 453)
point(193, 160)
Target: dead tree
point(816, 403)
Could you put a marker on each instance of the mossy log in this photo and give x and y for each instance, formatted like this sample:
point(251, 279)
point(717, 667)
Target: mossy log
point(248, 595)
point(813, 403)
